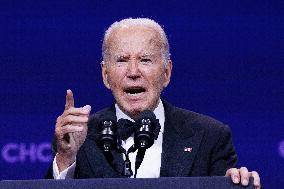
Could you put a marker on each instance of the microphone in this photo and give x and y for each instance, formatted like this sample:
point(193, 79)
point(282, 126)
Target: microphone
point(107, 126)
point(148, 131)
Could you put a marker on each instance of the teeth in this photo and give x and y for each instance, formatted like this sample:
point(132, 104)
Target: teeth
point(134, 94)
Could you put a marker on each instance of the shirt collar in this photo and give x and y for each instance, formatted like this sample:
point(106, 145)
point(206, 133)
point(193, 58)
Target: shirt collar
point(159, 113)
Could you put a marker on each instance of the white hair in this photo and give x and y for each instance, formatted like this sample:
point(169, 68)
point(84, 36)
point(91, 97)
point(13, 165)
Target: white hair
point(130, 22)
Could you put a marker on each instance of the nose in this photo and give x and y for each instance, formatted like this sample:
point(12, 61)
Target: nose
point(133, 71)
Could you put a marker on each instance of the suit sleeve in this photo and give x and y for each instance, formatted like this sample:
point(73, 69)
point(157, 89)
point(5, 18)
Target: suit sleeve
point(223, 156)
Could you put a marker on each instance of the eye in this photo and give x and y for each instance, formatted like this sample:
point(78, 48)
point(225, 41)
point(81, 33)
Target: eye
point(121, 60)
point(146, 60)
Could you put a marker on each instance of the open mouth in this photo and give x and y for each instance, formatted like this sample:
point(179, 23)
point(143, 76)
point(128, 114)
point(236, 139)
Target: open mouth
point(134, 91)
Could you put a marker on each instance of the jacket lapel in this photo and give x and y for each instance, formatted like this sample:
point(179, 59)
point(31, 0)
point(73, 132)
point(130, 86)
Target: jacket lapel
point(181, 141)
point(114, 165)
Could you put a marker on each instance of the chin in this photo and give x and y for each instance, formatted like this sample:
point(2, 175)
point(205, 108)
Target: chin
point(133, 110)
point(136, 110)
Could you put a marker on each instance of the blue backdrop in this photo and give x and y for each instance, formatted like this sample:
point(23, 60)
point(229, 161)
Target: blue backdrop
point(228, 60)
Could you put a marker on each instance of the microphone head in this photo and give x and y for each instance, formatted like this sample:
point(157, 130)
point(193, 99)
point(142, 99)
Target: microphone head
point(107, 120)
point(145, 135)
point(107, 126)
point(147, 117)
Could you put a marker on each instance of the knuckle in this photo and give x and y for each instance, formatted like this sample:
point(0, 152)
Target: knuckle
point(57, 130)
point(58, 133)
point(228, 172)
point(58, 119)
point(234, 170)
point(67, 119)
point(254, 173)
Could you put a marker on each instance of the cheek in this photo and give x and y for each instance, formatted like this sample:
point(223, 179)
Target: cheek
point(160, 78)
point(115, 79)
point(157, 84)
point(113, 84)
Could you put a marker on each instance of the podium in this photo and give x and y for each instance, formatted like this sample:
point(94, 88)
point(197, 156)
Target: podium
point(129, 183)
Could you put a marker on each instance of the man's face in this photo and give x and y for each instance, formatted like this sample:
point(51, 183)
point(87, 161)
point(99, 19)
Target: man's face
point(134, 69)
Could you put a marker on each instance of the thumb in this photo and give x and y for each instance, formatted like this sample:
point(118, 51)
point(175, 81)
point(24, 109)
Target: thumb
point(69, 99)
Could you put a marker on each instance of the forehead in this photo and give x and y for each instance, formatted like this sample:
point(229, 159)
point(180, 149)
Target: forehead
point(134, 39)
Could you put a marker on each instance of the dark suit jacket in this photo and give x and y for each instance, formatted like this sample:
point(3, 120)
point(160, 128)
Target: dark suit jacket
point(212, 149)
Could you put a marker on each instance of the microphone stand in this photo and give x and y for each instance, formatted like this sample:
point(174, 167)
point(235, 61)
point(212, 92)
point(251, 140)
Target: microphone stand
point(139, 159)
point(127, 171)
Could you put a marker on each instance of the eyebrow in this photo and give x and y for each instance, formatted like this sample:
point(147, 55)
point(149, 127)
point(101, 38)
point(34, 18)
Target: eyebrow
point(121, 56)
point(145, 55)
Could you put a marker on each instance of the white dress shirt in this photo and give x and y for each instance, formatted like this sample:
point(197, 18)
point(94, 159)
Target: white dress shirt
point(150, 167)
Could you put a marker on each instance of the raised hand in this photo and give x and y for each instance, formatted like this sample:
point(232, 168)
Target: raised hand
point(70, 132)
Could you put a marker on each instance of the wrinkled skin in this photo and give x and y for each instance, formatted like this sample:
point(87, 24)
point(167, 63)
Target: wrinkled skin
point(135, 62)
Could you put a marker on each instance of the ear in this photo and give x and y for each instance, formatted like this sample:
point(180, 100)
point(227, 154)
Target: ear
point(105, 74)
point(168, 73)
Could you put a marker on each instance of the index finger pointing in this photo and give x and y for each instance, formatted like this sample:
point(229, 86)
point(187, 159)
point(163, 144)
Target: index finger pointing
point(69, 100)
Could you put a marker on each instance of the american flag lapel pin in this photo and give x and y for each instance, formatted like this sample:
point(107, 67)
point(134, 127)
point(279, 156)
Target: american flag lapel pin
point(187, 149)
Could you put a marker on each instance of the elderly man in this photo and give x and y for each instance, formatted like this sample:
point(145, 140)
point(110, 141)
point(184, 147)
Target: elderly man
point(136, 67)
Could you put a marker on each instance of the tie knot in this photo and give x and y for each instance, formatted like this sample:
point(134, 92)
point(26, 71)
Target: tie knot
point(125, 128)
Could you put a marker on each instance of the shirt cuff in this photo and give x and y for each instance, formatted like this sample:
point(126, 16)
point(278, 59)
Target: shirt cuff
point(67, 173)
